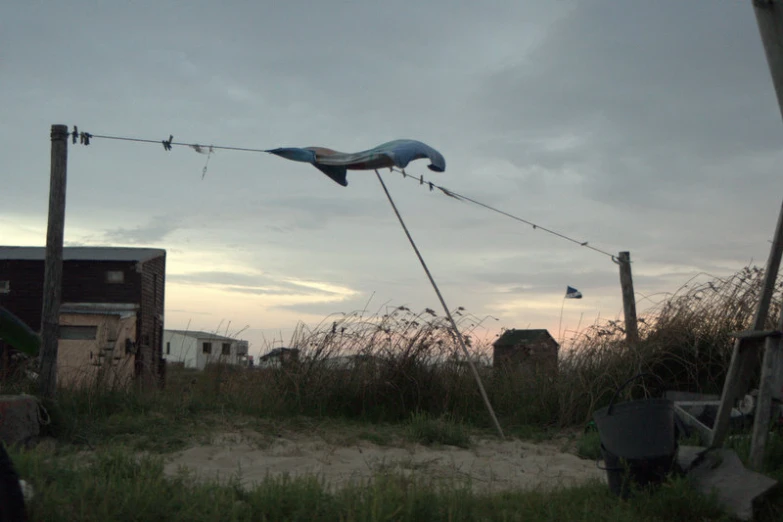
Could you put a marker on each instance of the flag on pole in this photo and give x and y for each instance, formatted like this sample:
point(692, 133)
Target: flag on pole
point(573, 293)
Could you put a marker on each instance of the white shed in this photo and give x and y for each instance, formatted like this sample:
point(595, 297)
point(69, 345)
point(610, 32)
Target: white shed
point(196, 349)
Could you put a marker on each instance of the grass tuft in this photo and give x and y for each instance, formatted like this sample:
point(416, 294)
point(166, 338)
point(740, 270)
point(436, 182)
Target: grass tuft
point(429, 431)
point(589, 446)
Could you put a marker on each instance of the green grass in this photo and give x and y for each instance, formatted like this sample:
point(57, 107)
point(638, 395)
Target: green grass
point(589, 446)
point(429, 431)
point(116, 486)
point(379, 438)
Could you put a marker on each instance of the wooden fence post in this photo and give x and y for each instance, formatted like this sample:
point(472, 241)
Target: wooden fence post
point(53, 272)
point(629, 299)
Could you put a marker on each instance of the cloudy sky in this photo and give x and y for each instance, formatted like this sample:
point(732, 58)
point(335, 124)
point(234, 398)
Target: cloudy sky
point(651, 127)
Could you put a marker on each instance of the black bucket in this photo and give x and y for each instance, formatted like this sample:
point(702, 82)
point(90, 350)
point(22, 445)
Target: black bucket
point(638, 439)
point(624, 475)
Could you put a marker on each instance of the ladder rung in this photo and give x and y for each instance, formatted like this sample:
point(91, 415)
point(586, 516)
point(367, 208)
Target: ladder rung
point(756, 334)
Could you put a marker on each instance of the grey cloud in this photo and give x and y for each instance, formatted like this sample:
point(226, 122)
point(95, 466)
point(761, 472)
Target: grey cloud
point(258, 284)
point(327, 309)
point(648, 96)
point(155, 231)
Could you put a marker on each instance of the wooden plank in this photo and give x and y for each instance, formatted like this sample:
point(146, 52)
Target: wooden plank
point(758, 441)
point(756, 334)
point(681, 410)
point(53, 271)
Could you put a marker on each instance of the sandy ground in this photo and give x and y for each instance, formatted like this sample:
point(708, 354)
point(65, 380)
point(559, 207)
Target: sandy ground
point(488, 465)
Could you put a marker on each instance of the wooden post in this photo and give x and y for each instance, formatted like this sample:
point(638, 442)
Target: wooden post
point(744, 357)
point(629, 299)
point(770, 22)
point(758, 441)
point(53, 272)
point(769, 17)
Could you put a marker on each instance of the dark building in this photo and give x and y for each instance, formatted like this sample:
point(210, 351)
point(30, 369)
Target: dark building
point(279, 357)
point(95, 279)
point(530, 349)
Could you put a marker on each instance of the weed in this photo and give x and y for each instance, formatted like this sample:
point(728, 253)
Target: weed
point(589, 446)
point(428, 431)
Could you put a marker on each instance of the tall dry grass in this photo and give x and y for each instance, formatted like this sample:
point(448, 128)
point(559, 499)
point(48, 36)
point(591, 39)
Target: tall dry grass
point(386, 367)
point(685, 342)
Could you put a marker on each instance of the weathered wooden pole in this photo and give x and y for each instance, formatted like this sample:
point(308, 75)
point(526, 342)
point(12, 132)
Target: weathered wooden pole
point(53, 271)
point(629, 299)
point(769, 17)
point(744, 357)
point(770, 21)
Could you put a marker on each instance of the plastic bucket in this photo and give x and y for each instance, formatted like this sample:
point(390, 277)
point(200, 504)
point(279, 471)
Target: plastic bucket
point(640, 429)
point(623, 475)
point(638, 441)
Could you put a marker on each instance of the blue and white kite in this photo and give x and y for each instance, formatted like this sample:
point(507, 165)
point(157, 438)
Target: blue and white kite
point(398, 153)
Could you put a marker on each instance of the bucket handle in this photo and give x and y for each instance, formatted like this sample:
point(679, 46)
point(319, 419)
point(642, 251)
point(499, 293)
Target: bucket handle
point(598, 465)
point(626, 383)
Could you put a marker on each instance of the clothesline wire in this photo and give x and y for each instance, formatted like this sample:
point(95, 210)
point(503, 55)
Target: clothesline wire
point(167, 144)
point(177, 143)
point(456, 195)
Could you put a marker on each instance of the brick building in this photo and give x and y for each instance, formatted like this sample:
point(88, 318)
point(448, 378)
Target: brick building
point(529, 349)
point(111, 310)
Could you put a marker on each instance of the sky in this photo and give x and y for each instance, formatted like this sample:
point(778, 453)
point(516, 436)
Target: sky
point(651, 128)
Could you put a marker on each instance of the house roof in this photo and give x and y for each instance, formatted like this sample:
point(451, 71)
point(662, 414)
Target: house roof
point(198, 334)
point(121, 309)
point(83, 253)
point(277, 352)
point(513, 337)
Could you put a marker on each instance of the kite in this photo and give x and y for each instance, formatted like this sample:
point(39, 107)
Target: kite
point(397, 153)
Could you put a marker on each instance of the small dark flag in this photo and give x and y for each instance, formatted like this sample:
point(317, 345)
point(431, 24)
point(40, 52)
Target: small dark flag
point(573, 293)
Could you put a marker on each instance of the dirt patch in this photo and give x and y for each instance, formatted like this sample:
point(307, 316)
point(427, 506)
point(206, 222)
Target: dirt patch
point(488, 465)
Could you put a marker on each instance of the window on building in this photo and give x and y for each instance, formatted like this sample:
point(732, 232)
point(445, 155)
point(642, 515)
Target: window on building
point(226, 348)
point(168, 348)
point(5, 287)
point(79, 333)
point(206, 348)
point(115, 276)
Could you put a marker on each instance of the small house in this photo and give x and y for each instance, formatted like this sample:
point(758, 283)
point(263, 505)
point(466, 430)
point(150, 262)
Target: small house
point(533, 350)
point(197, 349)
point(111, 312)
point(278, 357)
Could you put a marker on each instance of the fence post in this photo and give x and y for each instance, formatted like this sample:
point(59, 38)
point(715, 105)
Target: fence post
point(53, 271)
point(629, 299)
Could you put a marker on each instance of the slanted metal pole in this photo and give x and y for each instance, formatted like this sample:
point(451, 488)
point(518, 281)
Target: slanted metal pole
point(53, 271)
point(455, 329)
